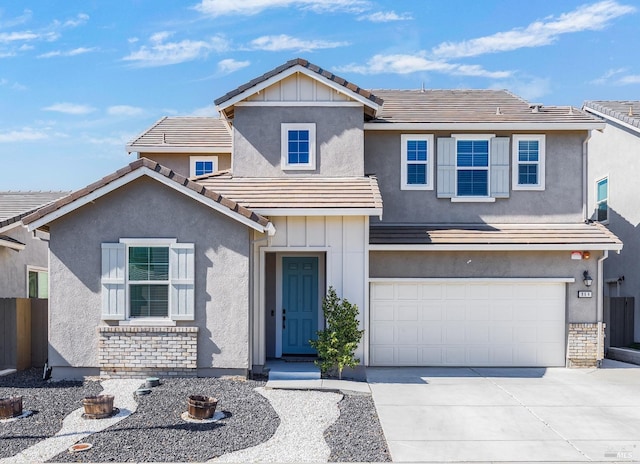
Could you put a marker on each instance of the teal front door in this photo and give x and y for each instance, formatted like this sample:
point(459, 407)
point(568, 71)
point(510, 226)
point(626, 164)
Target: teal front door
point(299, 304)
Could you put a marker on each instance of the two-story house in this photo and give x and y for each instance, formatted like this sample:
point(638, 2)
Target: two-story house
point(211, 253)
point(613, 200)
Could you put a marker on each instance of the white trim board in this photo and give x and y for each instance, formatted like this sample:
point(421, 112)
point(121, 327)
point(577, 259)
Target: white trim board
point(133, 175)
point(176, 149)
point(612, 119)
point(497, 247)
point(474, 279)
point(483, 126)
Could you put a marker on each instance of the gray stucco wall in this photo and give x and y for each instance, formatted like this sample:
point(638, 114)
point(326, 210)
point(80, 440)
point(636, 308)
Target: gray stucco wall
point(256, 140)
point(615, 153)
point(13, 264)
point(146, 208)
point(180, 163)
point(501, 264)
point(560, 202)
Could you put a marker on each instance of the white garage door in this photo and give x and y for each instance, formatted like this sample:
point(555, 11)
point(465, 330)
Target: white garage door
point(471, 323)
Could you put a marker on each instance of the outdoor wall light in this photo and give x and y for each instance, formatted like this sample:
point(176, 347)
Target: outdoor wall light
point(587, 278)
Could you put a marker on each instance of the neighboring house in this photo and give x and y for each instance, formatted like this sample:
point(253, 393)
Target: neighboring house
point(23, 257)
point(477, 259)
point(614, 193)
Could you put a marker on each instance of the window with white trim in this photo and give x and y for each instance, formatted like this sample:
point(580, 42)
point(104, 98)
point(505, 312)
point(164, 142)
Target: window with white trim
point(298, 146)
point(416, 162)
point(528, 153)
point(37, 282)
point(147, 279)
point(472, 167)
point(602, 200)
point(201, 165)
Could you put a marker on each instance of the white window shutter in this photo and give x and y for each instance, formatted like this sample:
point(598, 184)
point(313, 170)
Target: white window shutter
point(446, 182)
point(113, 282)
point(181, 264)
point(499, 167)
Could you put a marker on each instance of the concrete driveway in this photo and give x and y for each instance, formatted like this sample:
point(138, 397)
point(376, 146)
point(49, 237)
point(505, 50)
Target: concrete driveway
point(509, 414)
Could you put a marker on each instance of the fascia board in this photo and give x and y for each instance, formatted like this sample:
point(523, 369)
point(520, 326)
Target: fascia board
point(483, 126)
point(129, 177)
point(498, 247)
point(612, 119)
point(318, 211)
point(180, 149)
point(12, 245)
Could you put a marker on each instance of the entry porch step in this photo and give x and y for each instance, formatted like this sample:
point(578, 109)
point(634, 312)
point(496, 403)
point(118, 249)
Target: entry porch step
point(298, 370)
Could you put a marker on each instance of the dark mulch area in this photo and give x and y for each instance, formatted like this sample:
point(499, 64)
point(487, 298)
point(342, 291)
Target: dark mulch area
point(156, 432)
point(357, 435)
point(50, 401)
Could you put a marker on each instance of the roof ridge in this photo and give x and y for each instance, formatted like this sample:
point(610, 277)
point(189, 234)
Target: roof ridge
point(139, 136)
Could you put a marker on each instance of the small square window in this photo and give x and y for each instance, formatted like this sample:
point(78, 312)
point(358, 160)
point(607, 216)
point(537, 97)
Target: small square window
point(298, 151)
point(528, 162)
point(203, 165)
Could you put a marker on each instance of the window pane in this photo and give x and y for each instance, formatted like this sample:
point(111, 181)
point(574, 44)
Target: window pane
point(416, 174)
point(33, 284)
point(148, 263)
point(528, 174)
point(149, 300)
point(473, 153)
point(416, 150)
point(203, 167)
point(473, 183)
point(43, 284)
point(602, 211)
point(528, 150)
point(603, 187)
point(298, 147)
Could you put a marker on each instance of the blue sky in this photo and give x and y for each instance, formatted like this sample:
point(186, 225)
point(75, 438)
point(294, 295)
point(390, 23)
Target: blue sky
point(79, 78)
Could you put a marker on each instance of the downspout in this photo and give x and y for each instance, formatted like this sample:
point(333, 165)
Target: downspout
point(585, 177)
point(600, 307)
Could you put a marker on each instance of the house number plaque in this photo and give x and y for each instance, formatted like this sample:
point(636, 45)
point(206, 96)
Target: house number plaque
point(585, 294)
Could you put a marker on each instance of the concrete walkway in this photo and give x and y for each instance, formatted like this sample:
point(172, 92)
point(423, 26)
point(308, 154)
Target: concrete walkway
point(509, 414)
point(75, 428)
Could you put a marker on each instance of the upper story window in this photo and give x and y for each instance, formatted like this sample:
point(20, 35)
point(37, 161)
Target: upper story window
point(148, 280)
point(602, 200)
point(417, 162)
point(472, 167)
point(528, 162)
point(298, 146)
point(201, 165)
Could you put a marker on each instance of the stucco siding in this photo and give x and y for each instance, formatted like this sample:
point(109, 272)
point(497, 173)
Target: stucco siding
point(13, 264)
point(560, 202)
point(147, 209)
point(257, 140)
point(615, 153)
point(498, 265)
point(179, 162)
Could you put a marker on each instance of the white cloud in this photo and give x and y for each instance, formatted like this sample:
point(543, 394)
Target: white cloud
point(18, 20)
point(230, 65)
point(12, 85)
point(253, 7)
point(132, 40)
point(209, 110)
point(531, 90)
point(385, 17)
point(70, 108)
point(74, 52)
point(630, 79)
point(79, 20)
point(161, 53)
point(124, 110)
point(22, 135)
point(606, 77)
point(8, 37)
point(584, 18)
point(406, 64)
point(274, 43)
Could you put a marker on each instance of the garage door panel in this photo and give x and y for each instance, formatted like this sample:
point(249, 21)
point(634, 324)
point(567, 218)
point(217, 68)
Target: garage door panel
point(492, 323)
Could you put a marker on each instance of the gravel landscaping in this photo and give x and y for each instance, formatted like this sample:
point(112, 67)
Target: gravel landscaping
point(357, 435)
point(156, 432)
point(50, 401)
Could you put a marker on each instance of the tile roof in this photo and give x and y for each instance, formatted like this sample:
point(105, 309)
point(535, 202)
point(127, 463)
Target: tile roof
point(298, 192)
point(10, 242)
point(152, 165)
point(469, 106)
point(175, 133)
point(551, 236)
point(627, 111)
point(304, 63)
point(15, 205)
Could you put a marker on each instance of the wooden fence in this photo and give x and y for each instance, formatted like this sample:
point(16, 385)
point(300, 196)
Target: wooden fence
point(23, 332)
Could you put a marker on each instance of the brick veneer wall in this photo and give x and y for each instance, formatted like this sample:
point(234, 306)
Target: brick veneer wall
point(126, 351)
point(582, 348)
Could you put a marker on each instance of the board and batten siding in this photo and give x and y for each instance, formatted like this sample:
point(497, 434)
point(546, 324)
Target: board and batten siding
point(298, 87)
point(342, 239)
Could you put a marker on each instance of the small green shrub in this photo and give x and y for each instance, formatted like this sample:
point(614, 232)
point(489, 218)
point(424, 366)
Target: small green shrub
point(337, 343)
